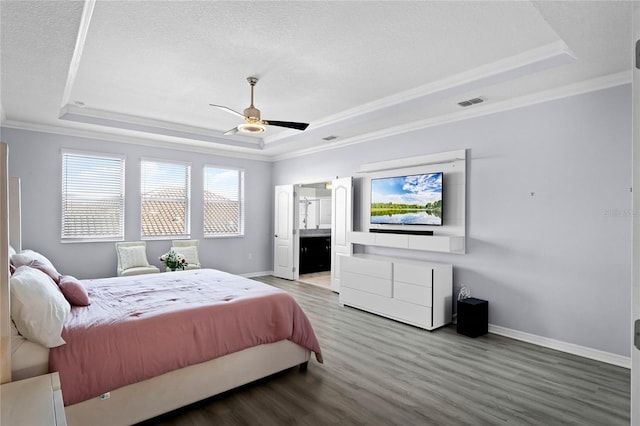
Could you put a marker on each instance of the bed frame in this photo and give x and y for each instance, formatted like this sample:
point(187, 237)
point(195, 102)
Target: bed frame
point(149, 398)
point(143, 400)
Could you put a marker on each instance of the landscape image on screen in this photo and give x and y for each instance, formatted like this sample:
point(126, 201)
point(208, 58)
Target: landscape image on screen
point(407, 200)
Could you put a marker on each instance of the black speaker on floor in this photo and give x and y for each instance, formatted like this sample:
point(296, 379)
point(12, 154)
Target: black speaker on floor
point(473, 317)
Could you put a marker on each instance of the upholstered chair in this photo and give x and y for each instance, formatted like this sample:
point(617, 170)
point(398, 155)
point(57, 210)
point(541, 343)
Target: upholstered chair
point(189, 249)
point(132, 259)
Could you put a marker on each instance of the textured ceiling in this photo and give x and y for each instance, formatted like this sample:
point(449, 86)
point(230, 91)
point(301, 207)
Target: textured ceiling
point(146, 72)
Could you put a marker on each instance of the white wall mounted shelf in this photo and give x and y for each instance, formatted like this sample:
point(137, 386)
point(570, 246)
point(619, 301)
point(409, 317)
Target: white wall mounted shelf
point(439, 243)
point(450, 236)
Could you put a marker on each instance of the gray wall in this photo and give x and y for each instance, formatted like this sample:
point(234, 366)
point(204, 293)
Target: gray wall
point(36, 158)
point(556, 263)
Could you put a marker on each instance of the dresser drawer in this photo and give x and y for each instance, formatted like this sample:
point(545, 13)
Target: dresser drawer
point(411, 293)
point(370, 267)
point(413, 274)
point(366, 283)
point(417, 315)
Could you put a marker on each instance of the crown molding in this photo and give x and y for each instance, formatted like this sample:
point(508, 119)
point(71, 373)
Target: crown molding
point(525, 63)
point(575, 89)
point(529, 62)
point(156, 142)
point(71, 112)
point(83, 29)
point(190, 145)
point(118, 120)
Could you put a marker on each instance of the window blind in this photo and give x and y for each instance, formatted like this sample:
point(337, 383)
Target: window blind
point(92, 197)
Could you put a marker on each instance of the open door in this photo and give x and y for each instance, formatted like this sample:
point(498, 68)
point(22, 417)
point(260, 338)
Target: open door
point(635, 292)
point(341, 225)
point(285, 254)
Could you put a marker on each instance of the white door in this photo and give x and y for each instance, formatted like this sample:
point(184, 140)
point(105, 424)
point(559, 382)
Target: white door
point(341, 225)
point(284, 245)
point(635, 317)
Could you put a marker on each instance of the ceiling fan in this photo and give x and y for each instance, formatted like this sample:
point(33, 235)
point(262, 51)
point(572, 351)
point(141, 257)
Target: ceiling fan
point(253, 123)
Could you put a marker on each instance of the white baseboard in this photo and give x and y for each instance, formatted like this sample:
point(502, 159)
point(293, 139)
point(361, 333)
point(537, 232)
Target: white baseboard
point(583, 351)
point(609, 358)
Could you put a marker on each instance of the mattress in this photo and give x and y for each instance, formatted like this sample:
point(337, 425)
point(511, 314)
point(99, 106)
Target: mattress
point(142, 326)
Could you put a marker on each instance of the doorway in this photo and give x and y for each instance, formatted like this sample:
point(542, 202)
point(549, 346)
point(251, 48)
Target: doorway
point(314, 225)
point(328, 219)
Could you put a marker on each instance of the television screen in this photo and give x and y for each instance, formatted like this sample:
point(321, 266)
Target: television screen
point(407, 200)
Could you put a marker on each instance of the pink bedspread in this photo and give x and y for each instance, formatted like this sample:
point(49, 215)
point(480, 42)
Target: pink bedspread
point(143, 326)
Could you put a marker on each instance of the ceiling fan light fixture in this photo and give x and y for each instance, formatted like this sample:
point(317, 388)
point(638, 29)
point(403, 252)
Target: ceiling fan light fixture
point(251, 128)
point(253, 123)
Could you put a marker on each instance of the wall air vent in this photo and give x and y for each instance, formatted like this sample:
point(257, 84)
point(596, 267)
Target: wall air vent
point(471, 102)
point(330, 138)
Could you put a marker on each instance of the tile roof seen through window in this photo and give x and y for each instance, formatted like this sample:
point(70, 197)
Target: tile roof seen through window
point(164, 213)
point(163, 218)
point(221, 217)
point(94, 218)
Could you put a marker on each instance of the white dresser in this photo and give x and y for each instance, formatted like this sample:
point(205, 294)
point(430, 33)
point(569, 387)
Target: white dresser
point(413, 292)
point(33, 402)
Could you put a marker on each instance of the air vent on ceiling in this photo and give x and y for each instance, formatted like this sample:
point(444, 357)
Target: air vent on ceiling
point(330, 138)
point(471, 102)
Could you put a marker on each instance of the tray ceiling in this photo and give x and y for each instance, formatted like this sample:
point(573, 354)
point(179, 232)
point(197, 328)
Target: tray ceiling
point(146, 72)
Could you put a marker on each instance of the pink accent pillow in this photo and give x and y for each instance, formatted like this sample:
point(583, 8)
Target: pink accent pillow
point(47, 269)
point(74, 291)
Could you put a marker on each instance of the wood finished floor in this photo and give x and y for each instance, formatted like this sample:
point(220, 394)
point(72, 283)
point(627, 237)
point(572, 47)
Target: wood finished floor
point(381, 372)
point(322, 279)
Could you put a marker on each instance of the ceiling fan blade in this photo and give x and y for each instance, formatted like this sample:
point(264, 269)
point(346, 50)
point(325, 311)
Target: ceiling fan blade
point(289, 124)
point(232, 131)
point(228, 110)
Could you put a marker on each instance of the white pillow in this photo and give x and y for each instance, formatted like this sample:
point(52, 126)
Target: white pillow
point(132, 257)
point(38, 307)
point(25, 257)
point(190, 253)
point(12, 251)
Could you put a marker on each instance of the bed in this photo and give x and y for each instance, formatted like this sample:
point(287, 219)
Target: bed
point(148, 344)
point(149, 397)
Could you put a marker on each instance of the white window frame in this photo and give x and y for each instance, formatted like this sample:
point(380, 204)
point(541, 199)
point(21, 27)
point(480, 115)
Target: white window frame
point(241, 201)
point(66, 237)
point(187, 200)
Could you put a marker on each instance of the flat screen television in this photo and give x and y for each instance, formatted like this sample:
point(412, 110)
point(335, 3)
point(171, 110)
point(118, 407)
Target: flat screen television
point(407, 200)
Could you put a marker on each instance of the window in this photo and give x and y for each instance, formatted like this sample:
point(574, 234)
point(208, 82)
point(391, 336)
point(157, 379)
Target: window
point(165, 199)
point(223, 202)
point(92, 197)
